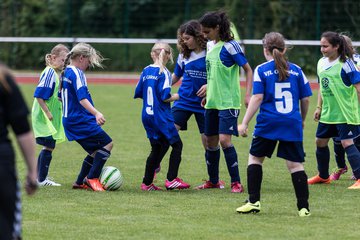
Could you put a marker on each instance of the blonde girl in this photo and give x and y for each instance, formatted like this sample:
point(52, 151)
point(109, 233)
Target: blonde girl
point(46, 112)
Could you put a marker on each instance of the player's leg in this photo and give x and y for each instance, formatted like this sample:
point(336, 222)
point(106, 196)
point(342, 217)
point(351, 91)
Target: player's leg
point(84, 171)
point(323, 134)
point(293, 153)
point(340, 160)
point(227, 128)
point(44, 160)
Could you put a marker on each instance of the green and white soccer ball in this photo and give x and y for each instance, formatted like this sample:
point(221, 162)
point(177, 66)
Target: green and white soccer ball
point(111, 178)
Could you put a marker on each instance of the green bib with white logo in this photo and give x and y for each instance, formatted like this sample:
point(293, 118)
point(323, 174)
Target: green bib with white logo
point(340, 102)
point(223, 86)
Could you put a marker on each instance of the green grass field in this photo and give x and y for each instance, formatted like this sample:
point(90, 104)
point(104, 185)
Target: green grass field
point(129, 213)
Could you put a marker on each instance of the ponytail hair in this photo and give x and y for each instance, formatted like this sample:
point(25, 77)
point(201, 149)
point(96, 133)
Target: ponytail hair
point(56, 51)
point(274, 42)
point(159, 54)
point(345, 49)
point(220, 19)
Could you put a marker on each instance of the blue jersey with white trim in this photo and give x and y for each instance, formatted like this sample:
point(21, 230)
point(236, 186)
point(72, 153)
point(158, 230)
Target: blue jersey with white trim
point(46, 84)
point(154, 88)
point(193, 71)
point(78, 122)
point(279, 117)
point(231, 53)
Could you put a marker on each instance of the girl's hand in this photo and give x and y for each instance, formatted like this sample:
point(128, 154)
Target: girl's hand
point(317, 114)
point(202, 91)
point(243, 130)
point(203, 102)
point(49, 115)
point(100, 120)
point(175, 96)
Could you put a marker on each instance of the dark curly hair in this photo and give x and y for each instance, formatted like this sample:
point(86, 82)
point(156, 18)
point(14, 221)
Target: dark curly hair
point(192, 28)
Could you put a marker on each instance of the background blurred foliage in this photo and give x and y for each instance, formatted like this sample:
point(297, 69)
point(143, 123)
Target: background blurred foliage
point(297, 20)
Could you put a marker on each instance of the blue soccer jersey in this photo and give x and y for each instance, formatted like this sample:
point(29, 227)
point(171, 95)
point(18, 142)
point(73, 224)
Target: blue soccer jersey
point(231, 53)
point(193, 71)
point(279, 117)
point(78, 122)
point(46, 84)
point(157, 119)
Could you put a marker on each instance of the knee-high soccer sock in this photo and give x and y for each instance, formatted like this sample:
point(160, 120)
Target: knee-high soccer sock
point(353, 155)
point(175, 159)
point(99, 161)
point(254, 179)
point(299, 180)
point(44, 160)
point(152, 162)
point(323, 159)
point(85, 169)
point(212, 156)
point(232, 163)
point(339, 154)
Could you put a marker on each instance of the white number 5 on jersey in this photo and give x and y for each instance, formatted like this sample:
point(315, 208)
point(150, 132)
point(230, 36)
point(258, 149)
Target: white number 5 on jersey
point(283, 98)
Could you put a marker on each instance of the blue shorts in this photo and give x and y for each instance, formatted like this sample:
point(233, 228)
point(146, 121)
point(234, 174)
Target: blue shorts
point(292, 151)
point(181, 117)
point(221, 122)
point(94, 143)
point(341, 131)
point(46, 141)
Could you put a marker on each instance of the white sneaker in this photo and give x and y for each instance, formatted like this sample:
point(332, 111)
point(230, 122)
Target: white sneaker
point(48, 182)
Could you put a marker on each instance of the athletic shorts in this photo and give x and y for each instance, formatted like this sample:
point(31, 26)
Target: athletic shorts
point(221, 122)
point(96, 142)
point(341, 131)
point(290, 150)
point(46, 141)
point(181, 117)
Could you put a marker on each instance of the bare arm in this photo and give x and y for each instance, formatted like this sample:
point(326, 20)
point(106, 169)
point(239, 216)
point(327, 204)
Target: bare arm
point(100, 120)
point(249, 77)
point(173, 97)
point(357, 86)
point(45, 108)
point(304, 106)
point(26, 142)
point(174, 79)
point(254, 104)
point(317, 113)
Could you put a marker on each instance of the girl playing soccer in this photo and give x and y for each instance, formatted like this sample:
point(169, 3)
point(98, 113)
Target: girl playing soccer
point(223, 58)
point(46, 112)
point(191, 67)
point(82, 121)
point(338, 110)
point(279, 86)
point(154, 88)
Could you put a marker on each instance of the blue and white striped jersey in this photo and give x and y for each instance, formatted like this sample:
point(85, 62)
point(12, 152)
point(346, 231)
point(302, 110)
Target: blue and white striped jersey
point(279, 117)
point(154, 88)
point(78, 122)
point(46, 84)
point(193, 71)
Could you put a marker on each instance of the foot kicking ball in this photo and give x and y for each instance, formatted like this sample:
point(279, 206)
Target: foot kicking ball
point(111, 178)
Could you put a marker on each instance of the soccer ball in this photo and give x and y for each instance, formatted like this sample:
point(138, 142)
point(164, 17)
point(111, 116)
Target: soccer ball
point(111, 178)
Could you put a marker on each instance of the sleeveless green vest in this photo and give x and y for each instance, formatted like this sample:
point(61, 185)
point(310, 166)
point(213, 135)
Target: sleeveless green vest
point(340, 102)
point(223, 86)
point(42, 126)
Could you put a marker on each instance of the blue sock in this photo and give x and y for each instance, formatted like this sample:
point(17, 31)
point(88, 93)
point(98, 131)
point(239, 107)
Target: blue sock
point(354, 159)
point(44, 160)
point(323, 159)
point(85, 169)
point(339, 154)
point(212, 157)
point(232, 163)
point(99, 161)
